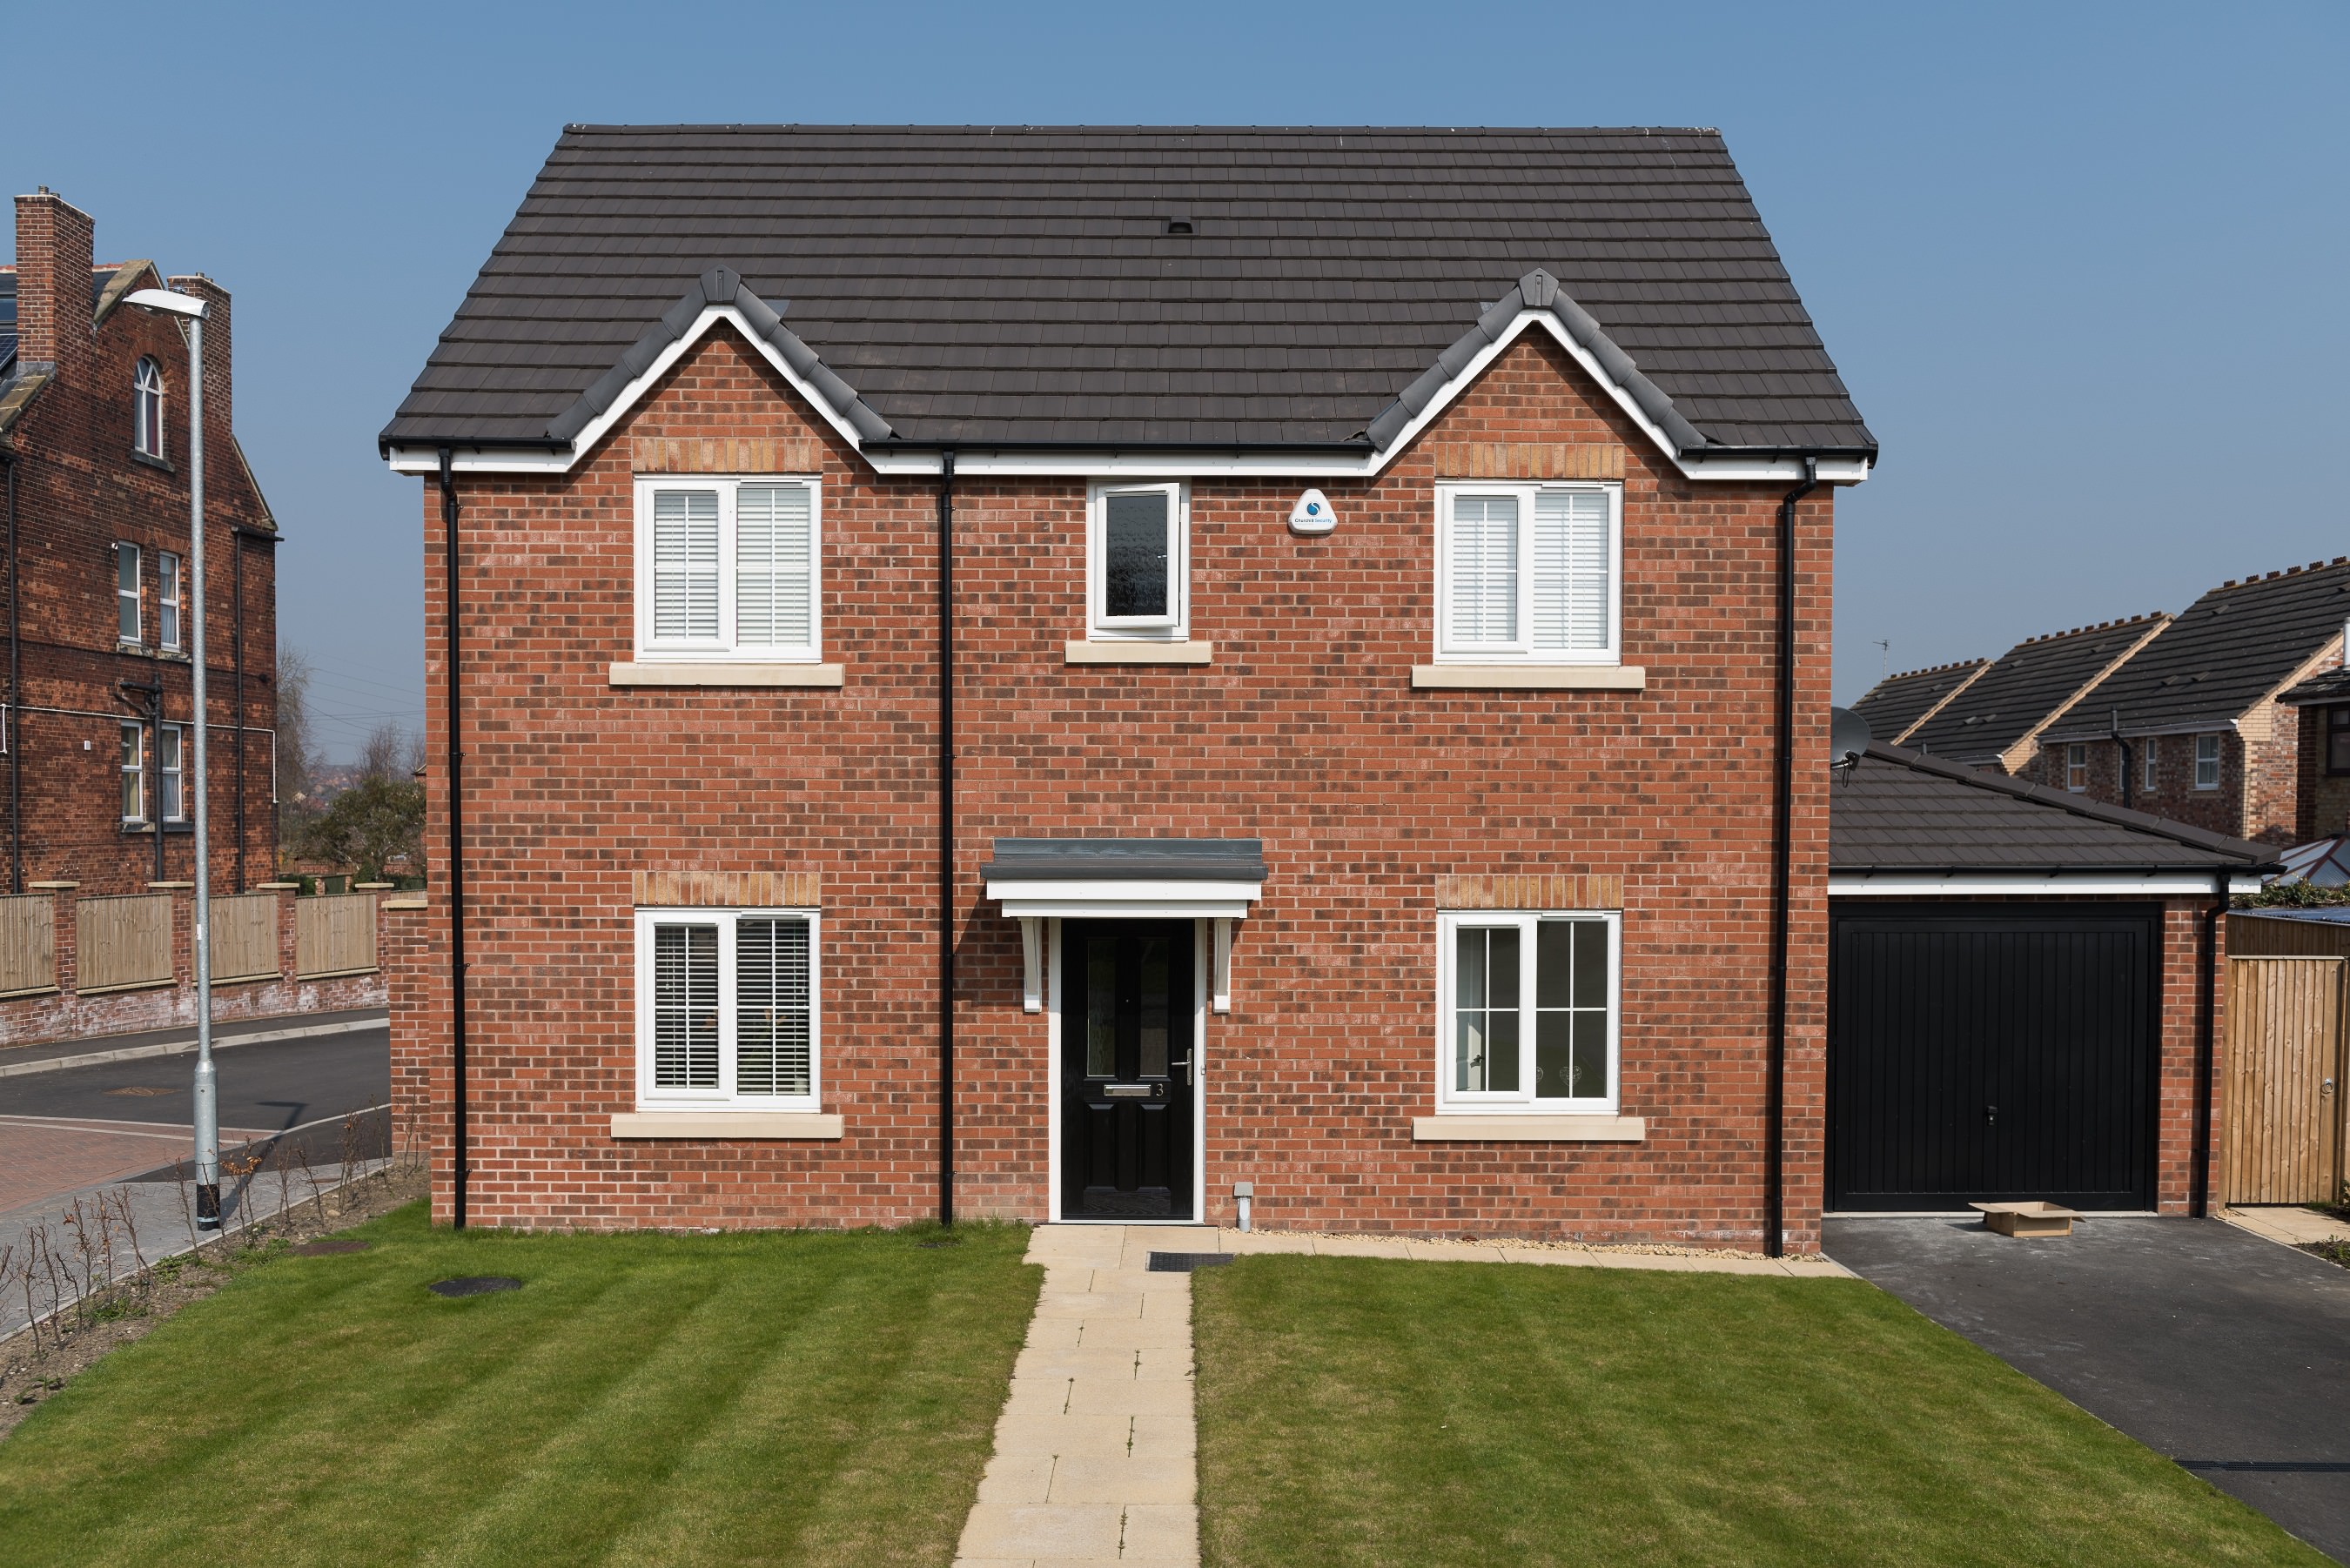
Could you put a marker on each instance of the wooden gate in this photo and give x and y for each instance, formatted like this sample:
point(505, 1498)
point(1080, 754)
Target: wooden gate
point(2284, 1080)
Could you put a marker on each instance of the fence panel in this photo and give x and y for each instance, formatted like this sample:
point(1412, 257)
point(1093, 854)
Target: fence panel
point(123, 941)
point(28, 944)
point(244, 938)
point(334, 933)
point(2284, 1066)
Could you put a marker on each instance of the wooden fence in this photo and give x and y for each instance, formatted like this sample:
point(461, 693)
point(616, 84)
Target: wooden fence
point(28, 944)
point(123, 941)
point(244, 938)
point(2285, 1072)
point(334, 934)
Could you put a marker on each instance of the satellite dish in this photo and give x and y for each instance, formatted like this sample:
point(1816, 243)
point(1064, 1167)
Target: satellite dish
point(1848, 737)
point(1312, 514)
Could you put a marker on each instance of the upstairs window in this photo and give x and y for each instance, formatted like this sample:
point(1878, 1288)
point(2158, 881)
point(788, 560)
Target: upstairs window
point(129, 610)
point(727, 569)
point(1528, 1006)
point(1139, 562)
point(726, 1009)
point(2151, 780)
point(2337, 740)
point(2077, 768)
point(170, 769)
point(167, 600)
point(2207, 762)
point(1530, 573)
point(134, 775)
point(146, 409)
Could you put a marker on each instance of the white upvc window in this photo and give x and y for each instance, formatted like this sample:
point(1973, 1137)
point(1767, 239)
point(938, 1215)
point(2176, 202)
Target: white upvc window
point(146, 408)
point(129, 603)
point(1527, 1010)
point(2150, 780)
point(1139, 562)
point(172, 772)
point(134, 775)
point(2077, 768)
point(729, 568)
point(168, 590)
point(1530, 573)
point(726, 1009)
point(2207, 762)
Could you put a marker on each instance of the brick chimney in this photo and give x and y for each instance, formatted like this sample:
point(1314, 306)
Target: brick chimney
point(219, 364)
point(55, 247)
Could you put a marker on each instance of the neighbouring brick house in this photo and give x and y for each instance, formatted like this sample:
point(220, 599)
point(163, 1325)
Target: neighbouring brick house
point(94, 443)
point(2203, 712)
point(1364, 630)
point(2319, 714)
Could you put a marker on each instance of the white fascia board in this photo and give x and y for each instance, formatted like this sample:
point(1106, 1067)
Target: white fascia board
point(426, 460)
point(2067, 884)
point(1126, 900)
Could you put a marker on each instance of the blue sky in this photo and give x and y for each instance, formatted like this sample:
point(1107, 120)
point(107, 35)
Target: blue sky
point(2082, 265)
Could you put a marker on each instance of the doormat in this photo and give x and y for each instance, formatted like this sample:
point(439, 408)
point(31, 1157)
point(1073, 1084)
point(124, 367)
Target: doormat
point(474, 1285)
point(1184, 1262)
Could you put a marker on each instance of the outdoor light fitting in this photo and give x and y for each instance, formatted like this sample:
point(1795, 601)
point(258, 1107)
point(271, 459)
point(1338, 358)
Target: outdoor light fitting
point(170, 301)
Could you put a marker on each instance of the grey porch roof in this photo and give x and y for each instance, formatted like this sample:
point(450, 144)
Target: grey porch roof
point(1021, 285)
point(1899, 810)
point(2224, 655)
point(2022, 689)
point(1898, 701)
point(1127, 860)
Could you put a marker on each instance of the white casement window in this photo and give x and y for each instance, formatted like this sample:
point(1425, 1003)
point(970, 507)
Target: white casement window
point(146, 408)
point(1139, 562)
point(2149, 780)
point(167, 600)
point(2207, 762)
point(172, 772)
point(129, 607)
point(726, 1009)
point(728, 568)
point(2077, 768)
point(1530, 572)
point(1527, 1008)
point(134, 775)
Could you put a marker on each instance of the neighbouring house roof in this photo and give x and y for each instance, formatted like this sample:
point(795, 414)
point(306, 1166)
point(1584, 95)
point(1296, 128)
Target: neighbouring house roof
point(1900, 811)
point(1024, 287)
point(2333, 686)
point(1899, 703)
point(2005, 707)
point(2223, 656)
point(2322, 863)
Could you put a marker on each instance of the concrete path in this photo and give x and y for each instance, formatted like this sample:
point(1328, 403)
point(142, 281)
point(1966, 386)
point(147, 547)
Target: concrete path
point(2291, 1225)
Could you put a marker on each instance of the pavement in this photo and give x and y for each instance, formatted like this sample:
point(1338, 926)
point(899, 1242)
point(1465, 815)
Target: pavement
point(2210, 1344)
point(180, 1041)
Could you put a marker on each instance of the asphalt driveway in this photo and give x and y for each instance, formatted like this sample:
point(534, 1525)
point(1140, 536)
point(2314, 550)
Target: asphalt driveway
point(2223, 1350)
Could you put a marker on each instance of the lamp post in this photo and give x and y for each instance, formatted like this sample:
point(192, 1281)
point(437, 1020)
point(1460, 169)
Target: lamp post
point(191, 311)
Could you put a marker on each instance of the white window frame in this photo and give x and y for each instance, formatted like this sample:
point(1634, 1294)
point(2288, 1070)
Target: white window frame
point(172, 770)
point(1521, 649)
point(146, 389)
point(1449, 923)
point(724, 1098)
point(2077, 768)
point(137, 594)
point(724, 647)
point(135, 769)
point(1172, 628)
point(2213, 762)
point(171, 601)
point(2149, 780)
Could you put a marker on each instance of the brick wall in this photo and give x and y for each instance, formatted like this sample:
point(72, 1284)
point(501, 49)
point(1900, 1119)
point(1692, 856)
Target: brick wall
point(1305, 733)
point(2175, 797)
point(80, 489)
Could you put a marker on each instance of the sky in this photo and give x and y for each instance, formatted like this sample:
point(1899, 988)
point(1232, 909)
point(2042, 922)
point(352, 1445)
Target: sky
point(2080, 265)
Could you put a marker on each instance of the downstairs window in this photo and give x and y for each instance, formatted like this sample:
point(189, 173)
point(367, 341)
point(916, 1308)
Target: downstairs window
point(726, 1009)
point(1529, 1010)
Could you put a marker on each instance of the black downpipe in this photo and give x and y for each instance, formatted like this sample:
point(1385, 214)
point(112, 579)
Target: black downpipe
point(1783, 849)
point(946, 839)
point(15, 702)
point(2207, 995)
point(460, 1171)
point(2128, 755)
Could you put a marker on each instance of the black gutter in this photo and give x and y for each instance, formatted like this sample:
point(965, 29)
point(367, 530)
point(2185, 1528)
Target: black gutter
point(1782, 843)
point(2206, 988)
point(16, 715)
point(461, 1173)
point(946, 839)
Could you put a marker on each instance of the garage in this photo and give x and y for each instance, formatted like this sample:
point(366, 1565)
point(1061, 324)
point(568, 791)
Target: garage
point(2018, 993)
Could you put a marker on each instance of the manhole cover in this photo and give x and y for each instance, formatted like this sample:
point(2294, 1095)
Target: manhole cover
point(328, 1248)
point(1184, 1262)
point(474, 1285)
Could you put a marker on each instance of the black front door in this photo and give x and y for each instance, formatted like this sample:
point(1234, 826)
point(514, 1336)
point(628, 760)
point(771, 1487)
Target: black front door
point(1126, 1069)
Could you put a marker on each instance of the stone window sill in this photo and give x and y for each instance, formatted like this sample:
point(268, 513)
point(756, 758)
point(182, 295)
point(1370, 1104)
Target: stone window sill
point(728, 674)
point(1139, 651)
point(151, 461)
point(715, 1124)
point(1531, 677)
point(1465, 1128)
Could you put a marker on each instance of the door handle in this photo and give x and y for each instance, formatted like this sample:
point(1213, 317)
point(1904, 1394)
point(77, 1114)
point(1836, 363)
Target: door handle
point(1185, 1063)
point(1991, 1116)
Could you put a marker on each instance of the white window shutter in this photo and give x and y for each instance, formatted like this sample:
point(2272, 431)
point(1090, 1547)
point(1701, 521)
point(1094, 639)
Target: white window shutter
point(1570, 589)
point(685, 1007)
point(774, 569)
point(1484, 606)
point(685, 564)
point(771, 1007)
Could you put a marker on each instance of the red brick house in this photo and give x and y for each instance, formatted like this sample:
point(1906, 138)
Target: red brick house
point(1081, 673)
point(93, 454)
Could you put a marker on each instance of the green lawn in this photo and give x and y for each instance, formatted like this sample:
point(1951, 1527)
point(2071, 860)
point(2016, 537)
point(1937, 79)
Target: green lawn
point(780, 1397)
point(1360, 1411)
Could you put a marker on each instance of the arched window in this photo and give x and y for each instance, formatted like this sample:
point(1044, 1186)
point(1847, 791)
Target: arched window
point(146, 425)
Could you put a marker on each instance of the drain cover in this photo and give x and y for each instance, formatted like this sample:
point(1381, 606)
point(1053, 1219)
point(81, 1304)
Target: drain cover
point(328, 1248)
point(474, 1285)
point(1184, 1262)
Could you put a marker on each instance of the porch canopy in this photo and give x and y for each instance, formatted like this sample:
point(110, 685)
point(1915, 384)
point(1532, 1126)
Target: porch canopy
point(1040, 879)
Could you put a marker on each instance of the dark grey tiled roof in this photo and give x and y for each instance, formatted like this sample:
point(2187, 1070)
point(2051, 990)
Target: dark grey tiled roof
point(2333, 686)
point(1898, 701)
point(2023, 686)
point(1899, 810)
point(1017, 286)
point(1122, 859)
point(2227, 652)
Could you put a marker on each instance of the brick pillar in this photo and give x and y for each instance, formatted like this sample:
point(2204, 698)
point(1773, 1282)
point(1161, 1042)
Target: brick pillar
point(412, 953)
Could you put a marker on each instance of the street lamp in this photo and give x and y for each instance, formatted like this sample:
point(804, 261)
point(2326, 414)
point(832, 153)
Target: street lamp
point(208, 1209)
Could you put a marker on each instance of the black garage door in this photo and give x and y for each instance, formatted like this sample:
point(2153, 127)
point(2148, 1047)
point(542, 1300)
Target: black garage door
point(1991, 1052)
